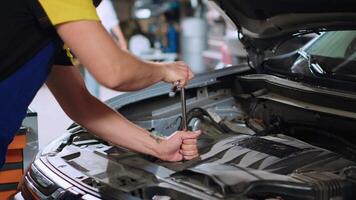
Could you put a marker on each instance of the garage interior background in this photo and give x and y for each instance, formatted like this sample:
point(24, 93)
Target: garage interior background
point(157, 30)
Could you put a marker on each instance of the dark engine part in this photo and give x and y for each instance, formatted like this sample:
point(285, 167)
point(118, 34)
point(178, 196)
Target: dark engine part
point(230, 180)
point(263, 167)
point(280, 155)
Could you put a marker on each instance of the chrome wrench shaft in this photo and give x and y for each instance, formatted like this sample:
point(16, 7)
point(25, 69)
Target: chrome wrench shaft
point(184, 109)
point(172, 93)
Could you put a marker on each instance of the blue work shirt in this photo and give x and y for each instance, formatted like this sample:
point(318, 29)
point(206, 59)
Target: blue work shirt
point(18, 90)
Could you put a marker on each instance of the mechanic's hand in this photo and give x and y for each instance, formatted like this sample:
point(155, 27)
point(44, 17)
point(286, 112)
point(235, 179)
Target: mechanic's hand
point(189, 148)
point(172, 149)
point(177, 71)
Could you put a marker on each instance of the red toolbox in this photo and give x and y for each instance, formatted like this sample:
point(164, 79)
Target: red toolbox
point(12, 172)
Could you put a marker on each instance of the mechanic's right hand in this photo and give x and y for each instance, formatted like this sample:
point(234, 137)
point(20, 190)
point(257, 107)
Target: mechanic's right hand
point(177, 71)
point(189, 148)
point(182, 145)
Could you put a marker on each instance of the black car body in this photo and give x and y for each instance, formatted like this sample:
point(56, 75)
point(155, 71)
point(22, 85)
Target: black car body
point(279, 128)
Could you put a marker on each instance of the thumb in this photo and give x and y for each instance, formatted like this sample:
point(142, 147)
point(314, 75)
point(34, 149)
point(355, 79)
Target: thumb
point(191, 135)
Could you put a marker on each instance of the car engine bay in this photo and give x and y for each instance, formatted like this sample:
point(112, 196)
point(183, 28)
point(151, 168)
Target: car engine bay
point(263, 138)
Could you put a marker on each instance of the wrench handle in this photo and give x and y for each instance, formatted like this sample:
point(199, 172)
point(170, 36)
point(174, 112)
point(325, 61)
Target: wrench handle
point(184, 109)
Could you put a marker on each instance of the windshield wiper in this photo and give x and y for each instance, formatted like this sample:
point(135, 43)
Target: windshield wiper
point(312, 63)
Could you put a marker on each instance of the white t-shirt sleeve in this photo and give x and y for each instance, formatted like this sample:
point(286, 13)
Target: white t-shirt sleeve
point(107, 14)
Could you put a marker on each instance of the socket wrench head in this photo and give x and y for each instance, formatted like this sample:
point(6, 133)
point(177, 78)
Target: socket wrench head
point(176, 87)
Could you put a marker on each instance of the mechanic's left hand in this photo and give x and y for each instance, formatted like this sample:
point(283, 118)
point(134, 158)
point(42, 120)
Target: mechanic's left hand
point(182, 145)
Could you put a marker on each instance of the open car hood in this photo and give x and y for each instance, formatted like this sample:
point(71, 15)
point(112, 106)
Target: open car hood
point(263, 24)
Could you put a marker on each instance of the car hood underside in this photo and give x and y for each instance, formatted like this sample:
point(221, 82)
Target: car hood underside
point(263, 24)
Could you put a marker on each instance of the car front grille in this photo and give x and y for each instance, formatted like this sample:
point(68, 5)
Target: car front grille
point(38, 186)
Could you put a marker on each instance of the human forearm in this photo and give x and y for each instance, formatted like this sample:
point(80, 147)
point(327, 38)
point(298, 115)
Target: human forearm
point(139, 74)
point(109, 125)
point(119, 37)
point(111, 66)
point(67, 85)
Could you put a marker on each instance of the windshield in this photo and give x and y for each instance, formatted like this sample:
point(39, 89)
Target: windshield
point(332, 55)
point(338, 44)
